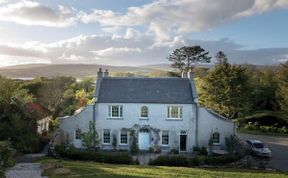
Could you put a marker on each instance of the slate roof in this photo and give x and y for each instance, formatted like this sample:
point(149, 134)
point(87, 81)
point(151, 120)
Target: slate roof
point(146, 90)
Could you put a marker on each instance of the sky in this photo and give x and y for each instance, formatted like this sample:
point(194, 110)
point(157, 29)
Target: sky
point(141, 32)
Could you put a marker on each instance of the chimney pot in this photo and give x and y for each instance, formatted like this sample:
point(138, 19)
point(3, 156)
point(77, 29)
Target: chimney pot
point(190, 75)
point(106, 73)
point(99, 74)
point(184, 74)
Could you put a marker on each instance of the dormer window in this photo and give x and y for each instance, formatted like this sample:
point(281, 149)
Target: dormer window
point(144, 112)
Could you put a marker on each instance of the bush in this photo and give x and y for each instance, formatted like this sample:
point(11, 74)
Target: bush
point(170, 161)
point(174, 151)
point(109, 157)
point(6, 153)
point(201, 151)
point(221, 160)
point(198, 160)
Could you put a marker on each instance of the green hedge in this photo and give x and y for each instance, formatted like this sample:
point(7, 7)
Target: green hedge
point(6, 153)
point(111, 157)
point(185, 161)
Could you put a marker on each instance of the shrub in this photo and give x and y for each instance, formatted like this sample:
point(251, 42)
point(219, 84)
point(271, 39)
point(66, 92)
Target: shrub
point(221, 160)
point(109, 157)
point(201, 151)
point(170, 161)
point(174, 151)
point(6, 153)
point(198, 160)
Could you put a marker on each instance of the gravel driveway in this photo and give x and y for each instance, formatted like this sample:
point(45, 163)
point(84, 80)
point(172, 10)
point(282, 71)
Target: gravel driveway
point(25, 168)
point(278, 146)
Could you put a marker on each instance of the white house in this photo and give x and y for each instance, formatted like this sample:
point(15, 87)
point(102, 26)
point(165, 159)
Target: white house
point(157, 113)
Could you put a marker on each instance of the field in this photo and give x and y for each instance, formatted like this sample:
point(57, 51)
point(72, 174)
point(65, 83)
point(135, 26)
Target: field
point(92, 169)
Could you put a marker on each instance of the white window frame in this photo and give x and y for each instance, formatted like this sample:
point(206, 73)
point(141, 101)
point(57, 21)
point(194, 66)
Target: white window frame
point(75, 133)
point(120, 133)
point(179, 112)
point(213, 140)
point(144, 117)
point(162, 137)
point(103, 137)
point(120, 111)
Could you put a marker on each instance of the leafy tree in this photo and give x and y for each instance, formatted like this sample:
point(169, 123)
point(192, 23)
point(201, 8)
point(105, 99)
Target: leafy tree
point(226, 90)
point(263, 89)
point(185, 57)
point(221, 58)
point(282, 92)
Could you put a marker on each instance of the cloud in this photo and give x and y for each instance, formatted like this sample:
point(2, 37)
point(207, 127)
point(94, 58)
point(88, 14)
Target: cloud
point(108, 52)
point(141, 50)
point(166, 18)
point(33, 13)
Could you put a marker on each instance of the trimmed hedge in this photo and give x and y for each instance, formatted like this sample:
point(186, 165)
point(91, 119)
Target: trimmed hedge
point(111, 157)
point(185, 161)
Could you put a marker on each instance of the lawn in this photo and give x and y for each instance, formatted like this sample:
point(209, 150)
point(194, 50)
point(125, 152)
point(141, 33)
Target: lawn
point(94, 170)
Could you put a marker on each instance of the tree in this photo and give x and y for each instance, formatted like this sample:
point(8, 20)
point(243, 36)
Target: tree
point(185, 57)
point(221, 58)
point(282, 90)
point(226, 90)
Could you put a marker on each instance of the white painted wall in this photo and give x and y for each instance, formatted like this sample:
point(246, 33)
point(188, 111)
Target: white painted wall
point(157, 119)
point(71, 123)
point(209, 123)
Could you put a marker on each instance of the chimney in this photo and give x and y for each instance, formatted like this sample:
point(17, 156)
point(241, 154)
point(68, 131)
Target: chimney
point(106, 73)
point(184, 74)
point(190, 75)
point(99, 74)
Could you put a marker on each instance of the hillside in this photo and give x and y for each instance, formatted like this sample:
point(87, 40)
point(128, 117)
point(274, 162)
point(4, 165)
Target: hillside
point(74, 70)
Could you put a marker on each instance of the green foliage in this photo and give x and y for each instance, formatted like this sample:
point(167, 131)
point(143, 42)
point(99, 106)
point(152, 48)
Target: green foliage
point(166, 160)
point(225, 89)
point(6, 153)
point(174, 151)
point(263, 89)
point(283, 89)
point(111, 157)
point(201, 151)
point(90, 139)
point(185, 57)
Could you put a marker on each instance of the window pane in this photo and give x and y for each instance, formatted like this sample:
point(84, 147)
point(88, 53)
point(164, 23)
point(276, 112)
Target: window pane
point(115, 111)
point(124, 137)
point(144, 111)
point(106, 136)
point(165, 137)
point(78, 134)
point(216, 137)
point(121, 111)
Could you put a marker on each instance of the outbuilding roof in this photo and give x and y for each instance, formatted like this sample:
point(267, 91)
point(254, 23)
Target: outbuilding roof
point(146, 90)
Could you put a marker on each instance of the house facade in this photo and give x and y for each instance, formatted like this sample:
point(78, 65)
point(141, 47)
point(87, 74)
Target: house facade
point(157, 114)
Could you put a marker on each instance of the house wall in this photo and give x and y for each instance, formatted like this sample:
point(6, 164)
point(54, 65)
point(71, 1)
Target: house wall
point(43, 124)
point(78, 121)
point(157, 119)
point(209, 123)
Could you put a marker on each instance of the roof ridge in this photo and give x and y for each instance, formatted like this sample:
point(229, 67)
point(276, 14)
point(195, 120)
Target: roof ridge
point(152, 78)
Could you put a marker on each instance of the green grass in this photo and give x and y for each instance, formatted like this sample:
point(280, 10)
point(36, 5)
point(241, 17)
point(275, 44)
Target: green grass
point(94, 170)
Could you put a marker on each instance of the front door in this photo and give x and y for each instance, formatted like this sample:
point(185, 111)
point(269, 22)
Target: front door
point(144, 140)
point(183, 141)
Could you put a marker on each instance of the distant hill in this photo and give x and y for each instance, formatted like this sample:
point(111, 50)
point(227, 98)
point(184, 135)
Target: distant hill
point(74, 70)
